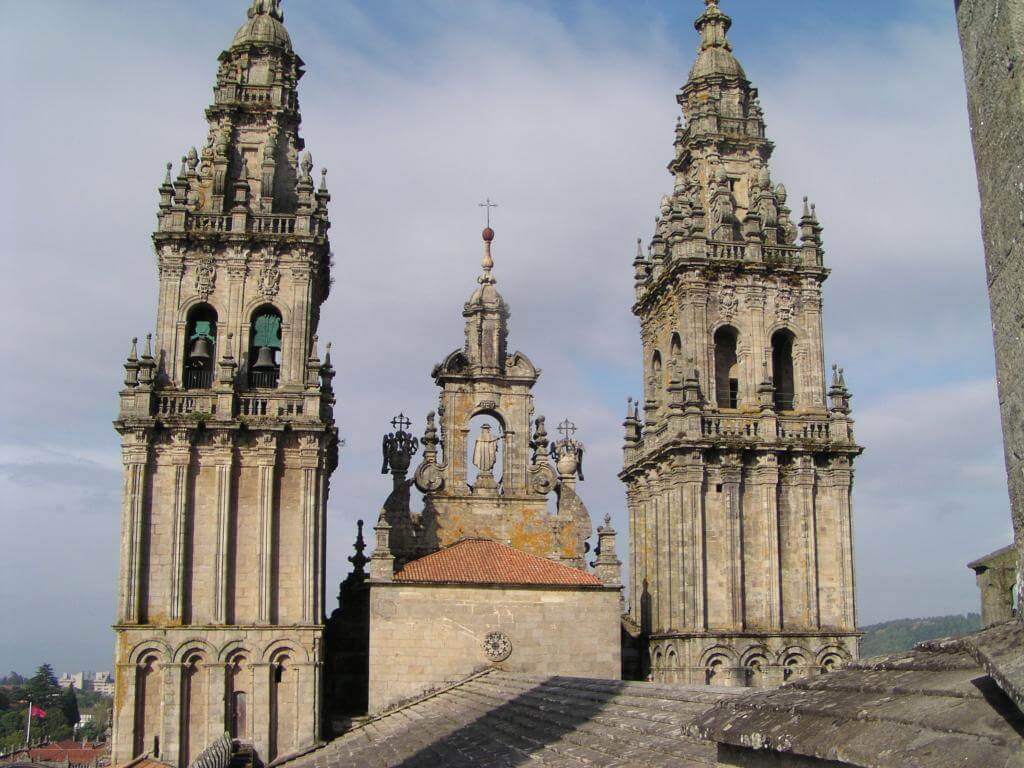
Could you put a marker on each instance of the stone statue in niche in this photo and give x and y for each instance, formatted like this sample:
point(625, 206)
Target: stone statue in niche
point(485, 452)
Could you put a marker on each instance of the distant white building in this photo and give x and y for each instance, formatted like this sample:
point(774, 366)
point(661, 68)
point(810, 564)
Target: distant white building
point(100, 682)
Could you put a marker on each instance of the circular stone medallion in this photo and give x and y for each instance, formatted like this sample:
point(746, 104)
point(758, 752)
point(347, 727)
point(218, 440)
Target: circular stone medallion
point(497, 646)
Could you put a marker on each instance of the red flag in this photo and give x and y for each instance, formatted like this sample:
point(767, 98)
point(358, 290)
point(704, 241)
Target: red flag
point(36, 711)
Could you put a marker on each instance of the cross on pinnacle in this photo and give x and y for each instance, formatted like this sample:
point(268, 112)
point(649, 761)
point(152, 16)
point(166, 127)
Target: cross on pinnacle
point(400, 422)
point(488, 205)
point(567, 428)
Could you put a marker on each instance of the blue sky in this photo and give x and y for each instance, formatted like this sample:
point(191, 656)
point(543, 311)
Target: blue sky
point(561, 111)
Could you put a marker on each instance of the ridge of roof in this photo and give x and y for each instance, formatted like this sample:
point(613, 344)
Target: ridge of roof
point(485, 561)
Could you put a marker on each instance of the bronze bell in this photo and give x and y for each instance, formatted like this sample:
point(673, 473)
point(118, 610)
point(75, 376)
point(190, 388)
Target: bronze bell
point(265, 360)
point(200, 353)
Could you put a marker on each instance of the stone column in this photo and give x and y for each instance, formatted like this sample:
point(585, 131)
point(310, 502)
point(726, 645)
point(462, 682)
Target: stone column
point(122, 716)
point(632, 502)
point(135, 456)
point(804, 482)
point(732, 474)
point(237, 272)
point(653, 569)
point(764, 480)
point(294, 365)
point(755, 305)
point(813, 394)
point(308, 698)
point(309, 461)
point(266, 461)
point(172, 268)
point(216, 698)
point(222, 455)
point(842, 483)
point(676, 544)
point(170, 712)
point(180, 455)
point(261, 713)
point(695, 584)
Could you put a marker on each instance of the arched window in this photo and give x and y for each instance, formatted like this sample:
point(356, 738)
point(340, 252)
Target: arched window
point(657, 380)
point(727, 369)
point(239, 678)
point(264, 346)
point(200, 347)
point(485, 454)
point(193, 710)
point(147, 707)
point(283, 707)
point(782, 370)
point(714, 673)
point(677, 353)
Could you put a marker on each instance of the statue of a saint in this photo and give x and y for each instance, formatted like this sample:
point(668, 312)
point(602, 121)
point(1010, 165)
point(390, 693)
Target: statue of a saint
point(485, 452)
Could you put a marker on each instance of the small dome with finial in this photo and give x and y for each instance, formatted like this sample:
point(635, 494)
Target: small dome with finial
point(265, 26)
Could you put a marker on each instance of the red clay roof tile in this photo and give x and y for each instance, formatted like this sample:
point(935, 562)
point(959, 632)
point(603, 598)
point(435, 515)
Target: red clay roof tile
point(481, 561)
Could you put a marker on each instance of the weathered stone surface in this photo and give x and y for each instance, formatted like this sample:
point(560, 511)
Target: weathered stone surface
point(424, 636)
point(935, 706)
point(996, 574)
point(992, 39)
point(739, 473)
point(227, 458)
point(499, 719)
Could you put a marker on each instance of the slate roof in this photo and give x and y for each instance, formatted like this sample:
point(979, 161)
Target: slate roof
point(499, 719)
point(482, 561)
point(938, 705)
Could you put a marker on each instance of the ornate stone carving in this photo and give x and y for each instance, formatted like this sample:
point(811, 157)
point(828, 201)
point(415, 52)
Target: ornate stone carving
point(270, 276)
point(206, 278)
point(497, 646)
point(728, 302)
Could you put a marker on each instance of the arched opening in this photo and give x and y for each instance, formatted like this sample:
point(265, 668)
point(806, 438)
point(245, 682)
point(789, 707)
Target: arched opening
point(283, 702)
point(714, 672)
point(485, 453)
point(200, 347)
point(264, 346)
point(673, 667)
point(147, 707)
point(193, 710)
point(830, 663)
point(239, 684)
point(727, 369)
point(676, 355)
point(782, 370)
point(756, 671)
point(793, 667)
point(657, 380)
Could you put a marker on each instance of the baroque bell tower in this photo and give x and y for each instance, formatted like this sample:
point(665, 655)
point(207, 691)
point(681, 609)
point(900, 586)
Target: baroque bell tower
point(738, 472)
point(228, 435)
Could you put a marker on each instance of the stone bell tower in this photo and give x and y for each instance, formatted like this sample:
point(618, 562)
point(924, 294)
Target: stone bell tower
point(738, 472)
point(228, 435)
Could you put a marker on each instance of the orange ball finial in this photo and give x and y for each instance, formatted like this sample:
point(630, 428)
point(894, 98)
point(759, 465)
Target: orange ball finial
point(488, 235)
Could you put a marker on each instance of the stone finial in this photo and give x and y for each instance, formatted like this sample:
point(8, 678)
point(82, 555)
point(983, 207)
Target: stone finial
point(192, 160)
point(398, 448)
point(323, 179)
point(607, 566)
point(382, 562)
point(631, 424)
point(306, 166)
point(271, 8)
point(568, 454)
point(539, 441)
point(167, 176)
point(838, 394)
point(131, 365)
point(359, 560)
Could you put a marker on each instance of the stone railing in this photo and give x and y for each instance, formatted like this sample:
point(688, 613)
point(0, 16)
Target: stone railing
point(730, 426)
point(184, 404)
point(217, 755)
point(815, 430)
point(208, 222)
point(262, 406)
point(275, 224)
point(731, 251)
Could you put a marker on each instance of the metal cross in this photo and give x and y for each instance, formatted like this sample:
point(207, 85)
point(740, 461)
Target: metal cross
point(488, 205)
point(401, 422)
point(567, 428)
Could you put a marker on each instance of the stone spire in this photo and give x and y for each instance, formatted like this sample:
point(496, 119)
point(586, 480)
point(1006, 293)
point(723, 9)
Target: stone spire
point(486, 318)
point(251, 159)
point(715, 57)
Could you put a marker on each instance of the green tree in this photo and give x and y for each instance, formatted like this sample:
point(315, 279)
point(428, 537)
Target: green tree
point(69, 706)
point(5, 701)
point(42, 689)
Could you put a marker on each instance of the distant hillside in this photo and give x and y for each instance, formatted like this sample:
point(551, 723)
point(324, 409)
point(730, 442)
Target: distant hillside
point(901, 634)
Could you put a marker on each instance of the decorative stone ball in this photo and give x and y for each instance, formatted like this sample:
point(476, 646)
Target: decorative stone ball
point(497, 646)
point(488, 235)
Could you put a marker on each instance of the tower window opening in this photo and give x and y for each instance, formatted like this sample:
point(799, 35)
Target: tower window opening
point(264, 345)
point(727, 383)
point(782, 369)
point(200, 347)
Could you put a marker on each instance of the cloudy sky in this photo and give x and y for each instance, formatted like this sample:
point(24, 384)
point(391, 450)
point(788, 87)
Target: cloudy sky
point(563, 113)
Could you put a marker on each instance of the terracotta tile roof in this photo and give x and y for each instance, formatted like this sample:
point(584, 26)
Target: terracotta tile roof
point(58, 754)
point(481, 561)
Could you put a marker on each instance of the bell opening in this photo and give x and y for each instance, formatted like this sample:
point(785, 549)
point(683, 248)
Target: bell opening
point(201, 345)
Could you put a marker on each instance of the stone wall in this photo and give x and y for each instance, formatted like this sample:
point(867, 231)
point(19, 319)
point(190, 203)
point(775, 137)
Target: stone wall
point(992, 38)
point(424, 636)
